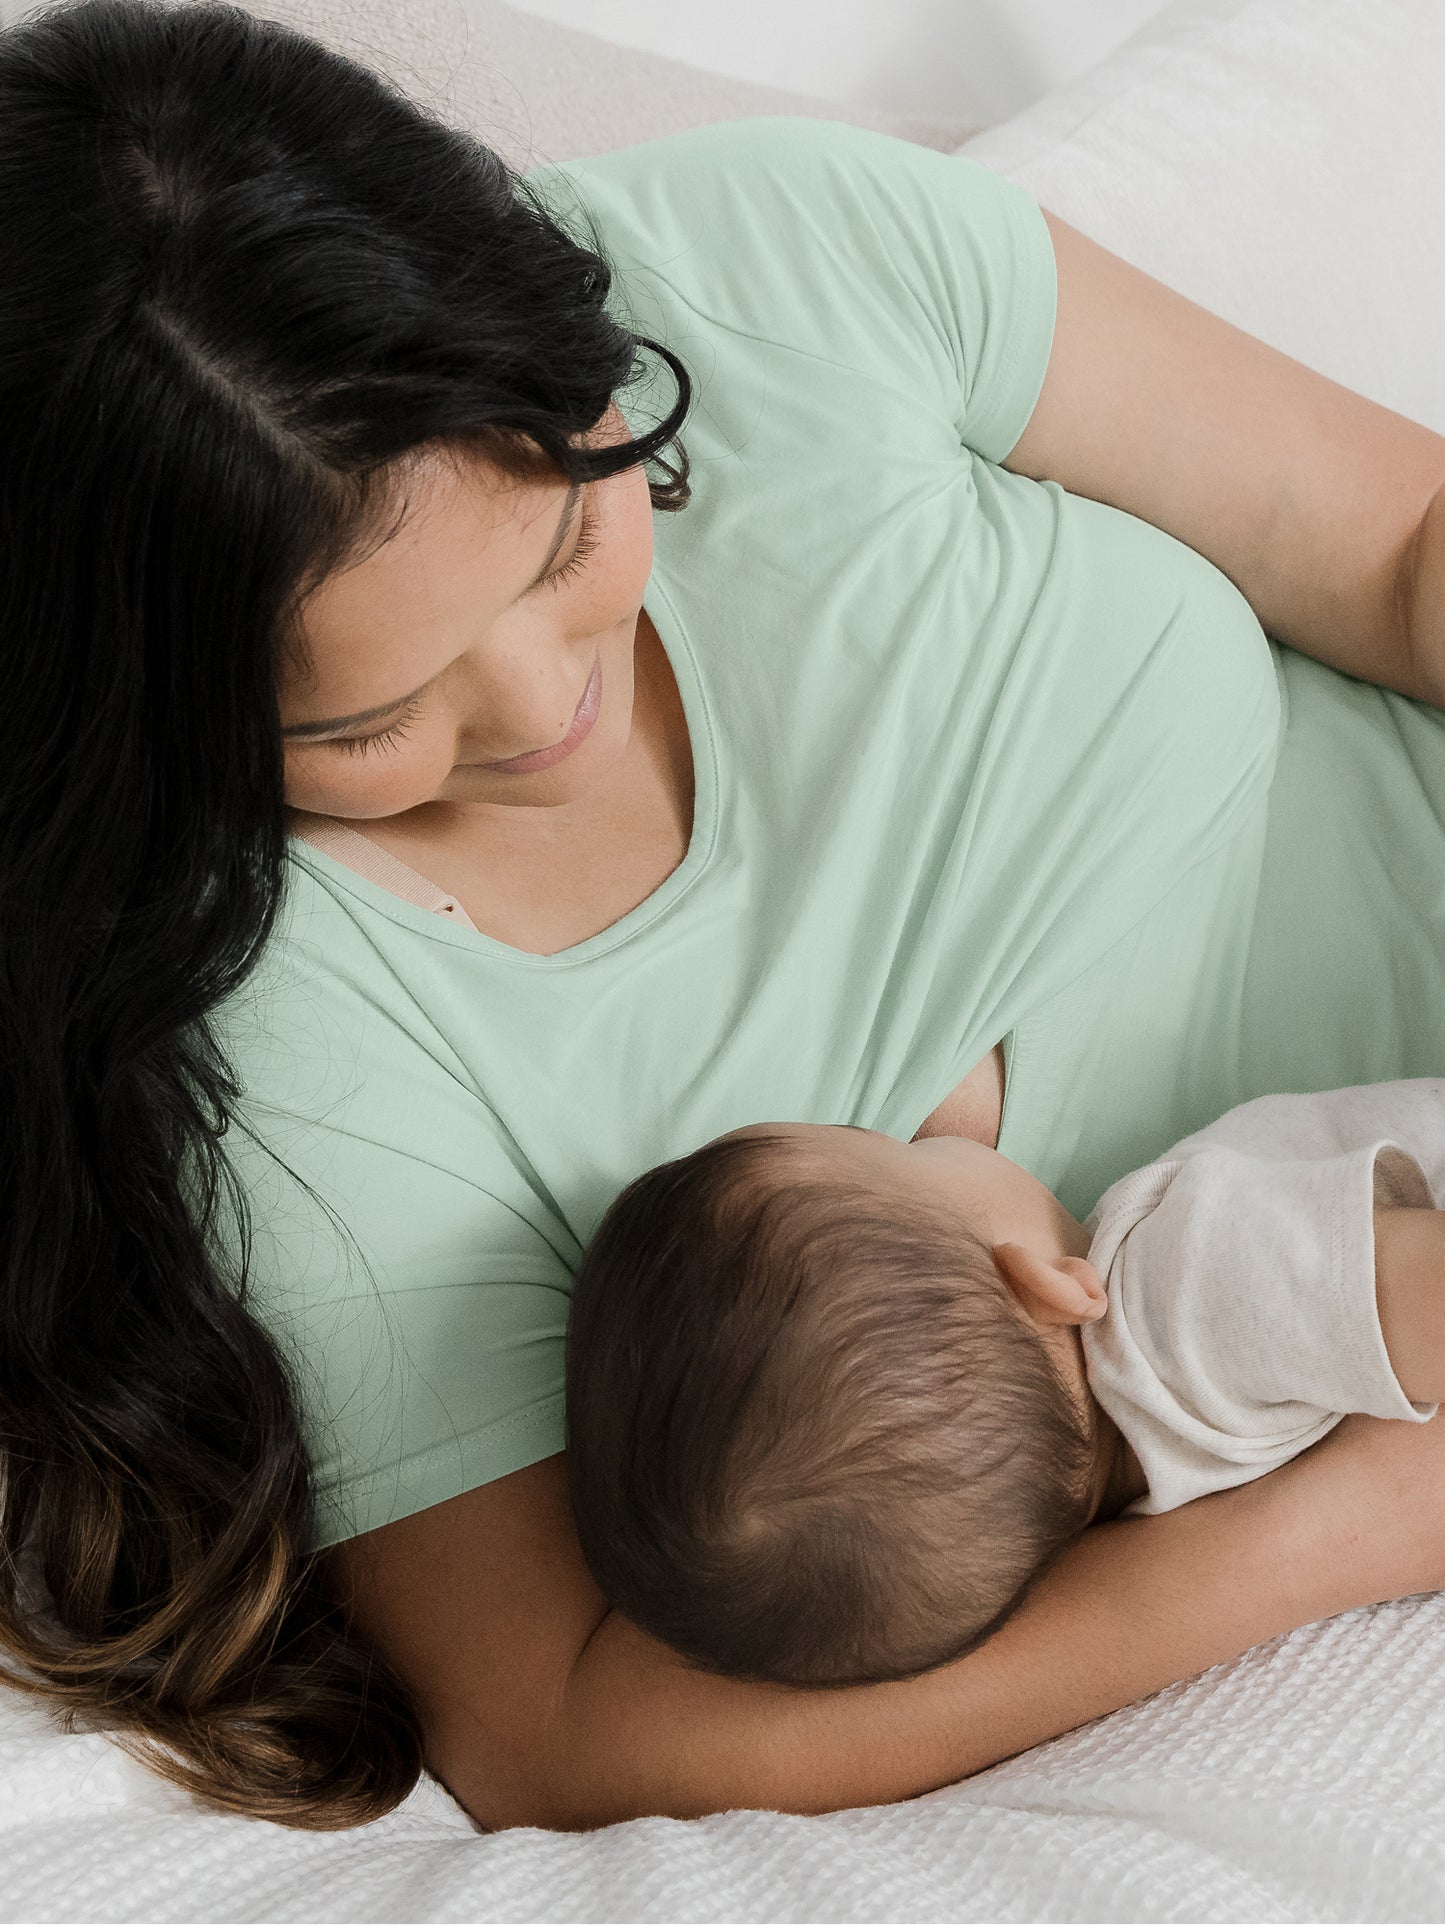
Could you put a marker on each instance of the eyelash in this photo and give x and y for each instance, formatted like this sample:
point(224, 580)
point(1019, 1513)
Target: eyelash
point(586, 543)
point(384, 739)
point(389, 737)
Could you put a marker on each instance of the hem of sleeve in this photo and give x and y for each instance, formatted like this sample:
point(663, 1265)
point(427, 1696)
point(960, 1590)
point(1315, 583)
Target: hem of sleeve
point(1390, 1172)
point(346, 1508)
point(994, 434)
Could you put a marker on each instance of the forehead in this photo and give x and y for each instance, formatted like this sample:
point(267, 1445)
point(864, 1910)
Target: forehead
point(445, 547)
point(438, 501)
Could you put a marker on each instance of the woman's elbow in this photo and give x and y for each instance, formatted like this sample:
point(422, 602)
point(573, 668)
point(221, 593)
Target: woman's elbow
point(548, 1776)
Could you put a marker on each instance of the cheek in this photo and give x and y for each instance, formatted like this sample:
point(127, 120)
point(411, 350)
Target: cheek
point(625, 557)
point(603, 602)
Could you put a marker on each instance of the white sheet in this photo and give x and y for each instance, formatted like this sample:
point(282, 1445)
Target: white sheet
point(1306, 1782)
point(1278, 161)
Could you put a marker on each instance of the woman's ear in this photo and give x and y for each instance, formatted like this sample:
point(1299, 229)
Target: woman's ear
point(1052, 1291)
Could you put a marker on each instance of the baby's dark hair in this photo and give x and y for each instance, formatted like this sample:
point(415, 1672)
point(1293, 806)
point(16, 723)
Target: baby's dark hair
point(810, 1438)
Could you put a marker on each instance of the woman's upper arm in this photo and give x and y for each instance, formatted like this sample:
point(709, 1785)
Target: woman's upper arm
point(1305, 494)
point(540, 1707)
point(483, 1605)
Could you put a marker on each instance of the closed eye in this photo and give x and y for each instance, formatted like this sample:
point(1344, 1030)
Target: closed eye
point(584, 546)
point(384, 738)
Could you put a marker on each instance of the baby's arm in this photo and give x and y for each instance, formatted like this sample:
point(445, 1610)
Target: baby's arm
point(1410, 1292)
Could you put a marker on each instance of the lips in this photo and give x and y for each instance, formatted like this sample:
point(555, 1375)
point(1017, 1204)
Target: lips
point(583, 717)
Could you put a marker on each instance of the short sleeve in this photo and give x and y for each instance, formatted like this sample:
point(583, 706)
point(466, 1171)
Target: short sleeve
point(924, 269)
point(1242, 1320)
point(408, 1272)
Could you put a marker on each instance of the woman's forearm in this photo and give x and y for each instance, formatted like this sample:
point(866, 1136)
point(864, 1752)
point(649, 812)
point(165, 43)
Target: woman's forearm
point(1132, 1607)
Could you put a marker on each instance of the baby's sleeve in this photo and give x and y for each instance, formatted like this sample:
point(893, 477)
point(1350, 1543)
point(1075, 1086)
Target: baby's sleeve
point(1242, 1321)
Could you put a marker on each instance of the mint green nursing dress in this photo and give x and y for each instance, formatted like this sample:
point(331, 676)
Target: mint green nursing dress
point(975, 758)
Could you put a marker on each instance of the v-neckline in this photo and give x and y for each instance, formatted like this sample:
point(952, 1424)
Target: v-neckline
point(362, 866)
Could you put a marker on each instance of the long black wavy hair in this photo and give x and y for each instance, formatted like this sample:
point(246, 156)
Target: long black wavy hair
point(241, 278)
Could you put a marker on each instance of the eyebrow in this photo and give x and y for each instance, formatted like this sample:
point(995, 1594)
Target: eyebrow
point(331, 723)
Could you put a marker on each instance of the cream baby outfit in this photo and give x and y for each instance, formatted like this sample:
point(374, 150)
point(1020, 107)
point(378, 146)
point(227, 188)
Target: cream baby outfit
point(1242, 1321)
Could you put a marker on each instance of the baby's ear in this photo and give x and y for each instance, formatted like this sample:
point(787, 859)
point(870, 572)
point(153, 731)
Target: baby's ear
point(1053, 1291)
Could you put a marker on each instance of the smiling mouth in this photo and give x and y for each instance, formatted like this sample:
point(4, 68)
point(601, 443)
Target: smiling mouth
point(580, 727)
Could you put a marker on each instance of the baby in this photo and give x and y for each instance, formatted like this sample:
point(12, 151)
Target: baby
point(834, 1400)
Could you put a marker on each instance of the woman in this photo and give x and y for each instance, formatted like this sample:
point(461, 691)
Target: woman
point(407, 837)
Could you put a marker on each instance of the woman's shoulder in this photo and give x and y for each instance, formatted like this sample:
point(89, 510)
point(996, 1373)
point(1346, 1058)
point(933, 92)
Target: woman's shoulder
point(753, 145)
point(392, 1240)
point(923, 272)
point(756, 146)
point(705, 193)
point(773, 178)
point(335, 1016)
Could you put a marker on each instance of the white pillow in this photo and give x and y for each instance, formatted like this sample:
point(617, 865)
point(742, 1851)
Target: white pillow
point(1278, 161)
point(540, 92)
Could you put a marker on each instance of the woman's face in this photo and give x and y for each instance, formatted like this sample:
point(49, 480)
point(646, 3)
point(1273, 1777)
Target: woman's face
point(493, 664)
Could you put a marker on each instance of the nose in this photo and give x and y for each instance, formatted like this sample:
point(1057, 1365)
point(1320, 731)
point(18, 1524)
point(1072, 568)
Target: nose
point(516, 722)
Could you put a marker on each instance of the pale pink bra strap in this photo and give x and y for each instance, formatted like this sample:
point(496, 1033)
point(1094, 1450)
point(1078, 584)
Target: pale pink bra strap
point(368, 859)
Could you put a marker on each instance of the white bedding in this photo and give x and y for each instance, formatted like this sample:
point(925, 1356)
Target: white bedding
point(1280, 161)
point(1306, 1782)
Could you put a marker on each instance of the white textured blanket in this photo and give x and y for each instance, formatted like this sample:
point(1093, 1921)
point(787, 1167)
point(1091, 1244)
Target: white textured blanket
point(1306, 1782)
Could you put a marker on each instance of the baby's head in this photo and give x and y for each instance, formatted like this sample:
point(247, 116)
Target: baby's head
point(826, 1407)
